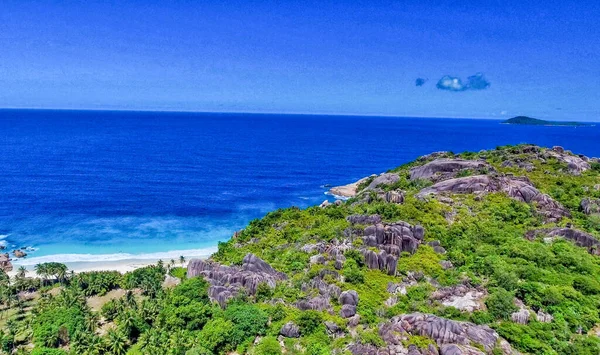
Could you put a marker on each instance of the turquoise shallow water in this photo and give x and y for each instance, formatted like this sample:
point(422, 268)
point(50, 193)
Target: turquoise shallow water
point(95, 185)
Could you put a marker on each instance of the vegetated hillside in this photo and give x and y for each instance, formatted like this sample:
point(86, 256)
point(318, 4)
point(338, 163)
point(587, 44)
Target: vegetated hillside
point(493, 252)
point(524, 120)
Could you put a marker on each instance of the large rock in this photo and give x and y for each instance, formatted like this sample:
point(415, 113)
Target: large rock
point(443, 169)
point(227, 281)
point(319, 303)
point(350, 190)
point(575, 164)
point(349, 297)
point(441, 330)
point(519, 189)
point(461, 297)
point(580, 238)
point(364, 219)
point(590, 206)
point(383, 179)
point(5, 263)
point(18, 253)
point(347, 311)
point(290, 330)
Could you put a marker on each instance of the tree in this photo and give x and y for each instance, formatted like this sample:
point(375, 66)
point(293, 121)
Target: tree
point(116, 342)
point(182, 260)
point(21, 272)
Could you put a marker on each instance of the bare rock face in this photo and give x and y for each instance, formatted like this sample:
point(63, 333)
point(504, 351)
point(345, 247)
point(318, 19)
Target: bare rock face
point(519, 189)
point(390, 238)
point(350, 190)
point(521, 316)
point(441, 330)
point(453, 349)
point(383, 179)
point(443, 169)
point(544, 317)
point(227, 281)
point(461, 297)
point(5, 263)
point(364, 219)
point(590, 206)
point(319, 303)
point(349, 301)
point(575, 164)
point(580, 238)
point(290, 330)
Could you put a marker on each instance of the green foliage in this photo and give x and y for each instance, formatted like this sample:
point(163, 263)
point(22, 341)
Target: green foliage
point(98, 282)
point(48, 351)
point(352, 273)
point(309, 322)
point(500, 304)
point(268, 346)
point(148, 278)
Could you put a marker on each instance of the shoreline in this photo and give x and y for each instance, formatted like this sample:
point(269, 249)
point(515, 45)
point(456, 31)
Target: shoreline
point(127, 263)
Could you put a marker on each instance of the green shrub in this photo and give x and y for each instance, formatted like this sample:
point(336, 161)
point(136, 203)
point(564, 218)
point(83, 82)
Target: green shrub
point(268, 346)
point(309, 322)
point(500, 304)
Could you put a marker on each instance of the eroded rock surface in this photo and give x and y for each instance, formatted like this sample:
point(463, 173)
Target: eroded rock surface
point(519, 189)
point(461, 297)
point(580, 238)
point(5, 263)
point(226, 281)
point(443, 169)
point(590, 206)
point(290, 330)
point(390, 238)
point(441, 330)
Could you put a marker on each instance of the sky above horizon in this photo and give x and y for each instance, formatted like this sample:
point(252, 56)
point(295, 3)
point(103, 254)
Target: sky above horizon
point(484, 59)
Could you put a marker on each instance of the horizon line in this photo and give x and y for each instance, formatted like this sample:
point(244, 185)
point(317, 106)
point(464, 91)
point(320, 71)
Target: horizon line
point(245, 112)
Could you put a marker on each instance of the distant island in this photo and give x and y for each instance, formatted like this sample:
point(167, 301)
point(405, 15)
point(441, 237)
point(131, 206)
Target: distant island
point(524, 120)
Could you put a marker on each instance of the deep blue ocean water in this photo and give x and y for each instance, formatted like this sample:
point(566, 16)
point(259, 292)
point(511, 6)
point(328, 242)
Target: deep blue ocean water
point(93, 185)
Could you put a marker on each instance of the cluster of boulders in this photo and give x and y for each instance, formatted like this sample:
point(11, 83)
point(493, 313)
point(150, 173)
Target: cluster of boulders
point(390, 239)
point(228, 281)
point(5, 264)
point(519, 189)
point(576, 164)
point(580, 238)
point(444, 169)
point(524, 314)
point(460, 337)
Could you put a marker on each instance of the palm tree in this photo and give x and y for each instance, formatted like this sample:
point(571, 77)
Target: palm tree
point(116, 342)
point(160, 264)
point(172, 262)
point(21, 272)
point(181, 260)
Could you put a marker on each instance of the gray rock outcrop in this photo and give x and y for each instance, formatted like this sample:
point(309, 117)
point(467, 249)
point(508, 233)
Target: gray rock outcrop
point(580, 238)
point(290, 330)
point(441, 330)
point(590, 206)
point(461, 297)
point(227, 281)
point(349, 301)
point(519, 189)
point(443, 169)
point(5, 263)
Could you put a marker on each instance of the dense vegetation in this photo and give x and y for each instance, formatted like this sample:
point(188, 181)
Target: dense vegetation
point(524, 120)
point(483, 236)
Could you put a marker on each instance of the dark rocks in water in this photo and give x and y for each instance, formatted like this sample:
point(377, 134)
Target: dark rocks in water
point(227, 281)
point(441, 330)
point(290, 330)
point(590, 206)
point(519, 189)
point(18, 253)
point(5, 263)
point(580, 238)
point(443, 169)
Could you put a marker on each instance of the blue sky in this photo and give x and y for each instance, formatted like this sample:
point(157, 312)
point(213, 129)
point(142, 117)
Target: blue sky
point(478, 59)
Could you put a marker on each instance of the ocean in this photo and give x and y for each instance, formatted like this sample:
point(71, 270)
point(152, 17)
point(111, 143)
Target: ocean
point(84, 186)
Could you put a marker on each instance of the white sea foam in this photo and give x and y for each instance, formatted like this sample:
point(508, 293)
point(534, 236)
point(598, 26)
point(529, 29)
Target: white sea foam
point(99, 258)
point(337, 197)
